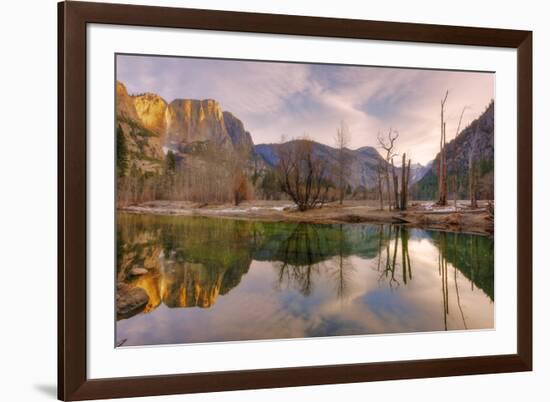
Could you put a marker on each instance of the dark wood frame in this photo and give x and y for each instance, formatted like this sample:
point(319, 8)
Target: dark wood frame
point(73, 17)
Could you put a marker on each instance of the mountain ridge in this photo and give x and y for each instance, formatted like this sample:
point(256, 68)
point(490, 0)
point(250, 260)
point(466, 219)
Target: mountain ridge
point(363, 162)
point(477, 138)
point(153, 127)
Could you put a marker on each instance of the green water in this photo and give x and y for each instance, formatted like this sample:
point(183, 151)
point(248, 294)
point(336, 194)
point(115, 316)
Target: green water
point(212, 279)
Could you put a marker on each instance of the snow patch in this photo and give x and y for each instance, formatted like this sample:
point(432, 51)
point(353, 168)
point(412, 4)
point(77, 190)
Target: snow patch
point(250, 209)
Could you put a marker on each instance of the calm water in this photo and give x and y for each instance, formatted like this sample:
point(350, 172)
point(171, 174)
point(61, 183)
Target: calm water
point(220, 280)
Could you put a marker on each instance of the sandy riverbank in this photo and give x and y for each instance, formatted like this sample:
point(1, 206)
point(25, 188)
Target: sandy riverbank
point(421, 214)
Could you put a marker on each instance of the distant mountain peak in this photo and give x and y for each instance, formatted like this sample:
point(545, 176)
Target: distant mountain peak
point(457, 157)
point(235, 128)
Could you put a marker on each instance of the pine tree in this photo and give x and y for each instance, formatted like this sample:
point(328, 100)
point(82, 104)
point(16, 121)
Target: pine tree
point(170, 162)
point(121, 152)
point(169, 175)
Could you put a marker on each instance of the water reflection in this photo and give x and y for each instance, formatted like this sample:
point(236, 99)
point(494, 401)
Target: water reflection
point(301, 256)
point(219, 279)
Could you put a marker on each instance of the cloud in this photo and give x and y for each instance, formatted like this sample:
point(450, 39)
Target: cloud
point(275, 99)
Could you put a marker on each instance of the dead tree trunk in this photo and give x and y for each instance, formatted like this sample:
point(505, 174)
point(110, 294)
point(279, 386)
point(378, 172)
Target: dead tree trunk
point(388, 145)
point(403, 205)
point(443, 171)
point(405, 176)
point(342, 140)
point(381, 194)
point(472, 171)
point(395, 186)
point(473, 183)
point(408, 181)
point(442, 184)
point(454, 183)
point(388, 186)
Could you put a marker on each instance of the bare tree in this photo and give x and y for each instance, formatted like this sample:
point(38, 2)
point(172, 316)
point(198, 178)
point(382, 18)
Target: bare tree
point(387, 144)
point(442, 183)
point(455, 176)
point(472, 169)
point(237, 165)
point(341, 141)
point(302, 175)
point(405, 178)
point(240, 188)
point(395, 186)
point(380, 191)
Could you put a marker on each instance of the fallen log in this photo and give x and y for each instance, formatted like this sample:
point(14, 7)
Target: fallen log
point(446, 212)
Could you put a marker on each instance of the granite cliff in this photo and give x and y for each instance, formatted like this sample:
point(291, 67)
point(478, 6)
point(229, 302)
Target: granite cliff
point(152, 127)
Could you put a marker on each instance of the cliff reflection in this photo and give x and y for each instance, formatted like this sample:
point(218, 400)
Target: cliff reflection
point(191, 261)
point(182, 264)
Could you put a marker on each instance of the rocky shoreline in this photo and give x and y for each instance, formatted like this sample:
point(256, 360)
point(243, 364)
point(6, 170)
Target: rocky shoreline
point(421, 214)
point(129, 300)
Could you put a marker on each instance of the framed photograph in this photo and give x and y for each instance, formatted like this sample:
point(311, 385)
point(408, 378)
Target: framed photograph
point(252, 200)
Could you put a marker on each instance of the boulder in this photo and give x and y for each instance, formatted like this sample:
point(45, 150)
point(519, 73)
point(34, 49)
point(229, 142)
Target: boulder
point(130, 301)
point(136, 271)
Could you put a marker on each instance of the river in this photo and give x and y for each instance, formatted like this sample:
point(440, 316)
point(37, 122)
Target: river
point(216, 279)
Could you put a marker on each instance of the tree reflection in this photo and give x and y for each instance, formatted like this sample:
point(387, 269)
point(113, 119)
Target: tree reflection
point(442, 266)
point(190, 262)
point(299, 256)
point(394, 237)
point(456, 288)
point(343, 268)
point(305, 253)
point(405, 257)
point(389, 268)
point(473, 257)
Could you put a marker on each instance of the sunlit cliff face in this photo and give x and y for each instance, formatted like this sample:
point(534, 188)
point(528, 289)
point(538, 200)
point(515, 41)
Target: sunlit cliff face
point(179, 122)
point(190, 120)
point(124, 103)
point(151, 110)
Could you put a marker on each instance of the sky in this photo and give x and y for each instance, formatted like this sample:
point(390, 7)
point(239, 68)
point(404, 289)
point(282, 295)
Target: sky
point(278, 100)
